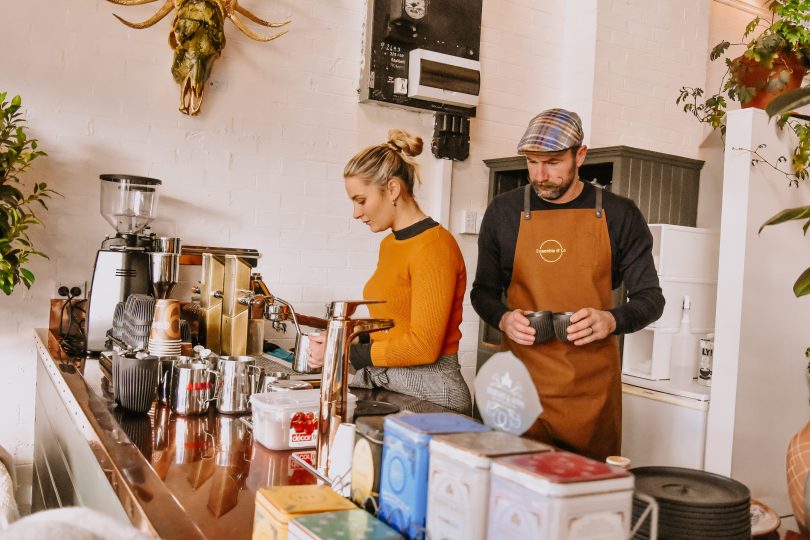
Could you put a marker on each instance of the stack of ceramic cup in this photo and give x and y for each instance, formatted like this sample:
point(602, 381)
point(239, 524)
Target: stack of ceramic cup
point(138, 313)
point(164, 337)
point(118, 322)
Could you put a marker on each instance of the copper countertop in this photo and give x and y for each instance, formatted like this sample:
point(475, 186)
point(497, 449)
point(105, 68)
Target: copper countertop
point(176, 476)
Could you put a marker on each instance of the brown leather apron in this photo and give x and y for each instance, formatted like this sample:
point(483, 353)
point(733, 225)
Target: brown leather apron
point(563, 263)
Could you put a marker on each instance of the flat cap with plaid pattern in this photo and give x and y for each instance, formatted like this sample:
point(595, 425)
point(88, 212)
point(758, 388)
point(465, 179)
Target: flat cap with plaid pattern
point(551, 131)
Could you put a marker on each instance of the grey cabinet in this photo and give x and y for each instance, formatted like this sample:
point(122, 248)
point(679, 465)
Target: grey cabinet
point(664, 186)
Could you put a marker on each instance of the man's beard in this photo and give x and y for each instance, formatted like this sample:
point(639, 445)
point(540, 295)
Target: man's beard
point(552, 192)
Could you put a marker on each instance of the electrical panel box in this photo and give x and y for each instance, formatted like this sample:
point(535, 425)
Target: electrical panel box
point(423, 54)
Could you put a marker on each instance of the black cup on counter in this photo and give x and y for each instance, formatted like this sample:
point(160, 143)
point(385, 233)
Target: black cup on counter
point(135, 380)
point(543, 325)
point(562, 320)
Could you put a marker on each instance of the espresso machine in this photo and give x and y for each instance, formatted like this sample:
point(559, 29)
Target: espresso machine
point(122, 266)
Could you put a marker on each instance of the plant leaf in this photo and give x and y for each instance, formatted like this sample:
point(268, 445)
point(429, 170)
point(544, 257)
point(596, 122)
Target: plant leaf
point(718, 50)
point(789, 101)
point(802, 212)
point(27, 277)
point(802, 285)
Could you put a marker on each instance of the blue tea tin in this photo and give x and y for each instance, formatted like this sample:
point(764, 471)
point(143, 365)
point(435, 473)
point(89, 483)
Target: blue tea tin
point(405, 464)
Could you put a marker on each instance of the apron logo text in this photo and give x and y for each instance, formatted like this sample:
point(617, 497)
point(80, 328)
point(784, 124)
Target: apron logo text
point(550, 251)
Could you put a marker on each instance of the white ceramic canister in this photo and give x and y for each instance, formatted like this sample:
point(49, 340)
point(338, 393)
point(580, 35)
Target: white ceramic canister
point(458, 484)
point(559, 496)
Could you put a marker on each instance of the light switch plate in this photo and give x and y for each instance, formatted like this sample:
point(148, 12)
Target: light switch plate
point(469, 222)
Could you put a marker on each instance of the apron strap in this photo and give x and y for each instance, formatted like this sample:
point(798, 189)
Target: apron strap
point(598, 202)
point(527, 214)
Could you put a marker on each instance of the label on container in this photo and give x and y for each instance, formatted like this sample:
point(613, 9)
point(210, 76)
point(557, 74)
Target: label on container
point(303, 430)
point(363, 472)
point(706, 360)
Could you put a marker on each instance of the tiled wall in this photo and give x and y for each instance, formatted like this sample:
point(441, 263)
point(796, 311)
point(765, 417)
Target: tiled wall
point(261, 166)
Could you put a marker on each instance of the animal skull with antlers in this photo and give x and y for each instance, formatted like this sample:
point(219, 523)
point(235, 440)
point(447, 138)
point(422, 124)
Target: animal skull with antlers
point(197, 38)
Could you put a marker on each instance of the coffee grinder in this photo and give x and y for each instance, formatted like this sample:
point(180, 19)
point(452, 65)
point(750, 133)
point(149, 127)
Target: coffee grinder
point(122, 265)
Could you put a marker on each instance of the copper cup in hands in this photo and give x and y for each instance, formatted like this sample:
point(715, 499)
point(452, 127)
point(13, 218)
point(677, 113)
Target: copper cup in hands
point(301, 358)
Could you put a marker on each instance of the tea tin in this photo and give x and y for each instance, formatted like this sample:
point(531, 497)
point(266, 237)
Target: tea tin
point(367, 458)
point(458, 485)
point(277, 506)
point(350, 524)
point(406, 457)
point(559, 495)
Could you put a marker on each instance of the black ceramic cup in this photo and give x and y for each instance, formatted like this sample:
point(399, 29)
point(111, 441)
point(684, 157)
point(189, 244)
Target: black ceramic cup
point(562, 320)
point(543, 325)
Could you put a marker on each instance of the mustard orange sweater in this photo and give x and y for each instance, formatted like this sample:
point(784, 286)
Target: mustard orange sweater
point(422, 280)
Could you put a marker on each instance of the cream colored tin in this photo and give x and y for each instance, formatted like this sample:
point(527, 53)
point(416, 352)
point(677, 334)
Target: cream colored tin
point(458, 486)
point(276, 506)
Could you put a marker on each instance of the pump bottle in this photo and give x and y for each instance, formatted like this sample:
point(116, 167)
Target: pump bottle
point(684, 359)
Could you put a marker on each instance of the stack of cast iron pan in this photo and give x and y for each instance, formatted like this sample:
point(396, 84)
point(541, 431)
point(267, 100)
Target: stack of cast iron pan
point(693, 504)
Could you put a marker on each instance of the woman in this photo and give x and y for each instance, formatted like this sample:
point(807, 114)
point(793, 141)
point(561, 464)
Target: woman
point(420, 275)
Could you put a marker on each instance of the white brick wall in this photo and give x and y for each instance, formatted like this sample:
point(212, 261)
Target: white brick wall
point(645, 51)
point(261, 166)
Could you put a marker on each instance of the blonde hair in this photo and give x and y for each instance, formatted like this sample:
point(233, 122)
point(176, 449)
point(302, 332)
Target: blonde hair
point(393, 159)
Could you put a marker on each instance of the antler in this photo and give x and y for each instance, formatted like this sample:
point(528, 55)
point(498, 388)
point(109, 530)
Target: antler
point(167, 7)
point(245, 30)
point(230, 8)
point(131, 2)
point(252, 17)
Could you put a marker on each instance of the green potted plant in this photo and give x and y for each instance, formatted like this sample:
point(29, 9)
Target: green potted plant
point(775, 58)
point(17, 200)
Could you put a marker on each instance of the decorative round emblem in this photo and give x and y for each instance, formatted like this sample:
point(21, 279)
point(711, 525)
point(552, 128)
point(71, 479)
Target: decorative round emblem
point(550, 251)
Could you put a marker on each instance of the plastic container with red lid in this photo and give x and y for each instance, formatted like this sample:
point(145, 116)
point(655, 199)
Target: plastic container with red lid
point(289, 420)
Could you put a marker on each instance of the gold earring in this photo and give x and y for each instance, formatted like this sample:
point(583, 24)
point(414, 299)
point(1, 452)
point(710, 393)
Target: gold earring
point(395, 202)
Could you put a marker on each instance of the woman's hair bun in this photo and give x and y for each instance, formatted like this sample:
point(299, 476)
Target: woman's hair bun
point(410, 145)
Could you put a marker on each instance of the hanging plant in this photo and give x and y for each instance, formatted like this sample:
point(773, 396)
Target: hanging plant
point(773, 62)
point(17, 200)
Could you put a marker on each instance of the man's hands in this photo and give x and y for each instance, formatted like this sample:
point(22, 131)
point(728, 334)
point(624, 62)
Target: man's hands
point(516, 327)
point(587, 325)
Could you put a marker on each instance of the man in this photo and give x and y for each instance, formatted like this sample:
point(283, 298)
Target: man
point(561, 244)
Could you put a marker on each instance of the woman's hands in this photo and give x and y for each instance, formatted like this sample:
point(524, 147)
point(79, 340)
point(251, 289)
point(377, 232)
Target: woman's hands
point(317, 344)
